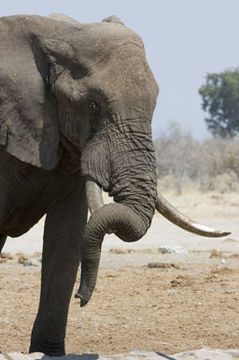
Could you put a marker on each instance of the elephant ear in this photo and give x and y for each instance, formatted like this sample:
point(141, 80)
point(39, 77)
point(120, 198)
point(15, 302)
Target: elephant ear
point(113, 19)
point(28, 115)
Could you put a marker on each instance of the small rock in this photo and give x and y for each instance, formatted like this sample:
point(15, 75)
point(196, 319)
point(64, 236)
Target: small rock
point(216, 254)
point(233, 256)
point(5, 255)
point(171, 292)
point(121, 251)
point(33, 262)
point(172, 250)
point(160, 265)
point(22, 259)
point(175, 283)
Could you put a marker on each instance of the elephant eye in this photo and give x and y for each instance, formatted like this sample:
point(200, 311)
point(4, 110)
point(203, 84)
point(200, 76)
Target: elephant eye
point(94, 107)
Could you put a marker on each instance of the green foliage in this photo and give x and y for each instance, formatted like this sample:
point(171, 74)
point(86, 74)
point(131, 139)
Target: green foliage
point(220, 98)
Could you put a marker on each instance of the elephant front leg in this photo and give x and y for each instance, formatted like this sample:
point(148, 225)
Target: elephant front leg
point(61, 257)
point(3, 239)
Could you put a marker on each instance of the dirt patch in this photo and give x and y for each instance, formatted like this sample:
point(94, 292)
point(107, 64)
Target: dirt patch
point(166, 302)
point(167, 309)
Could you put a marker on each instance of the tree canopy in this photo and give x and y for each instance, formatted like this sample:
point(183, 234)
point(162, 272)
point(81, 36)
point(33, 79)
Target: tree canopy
point(220, 98)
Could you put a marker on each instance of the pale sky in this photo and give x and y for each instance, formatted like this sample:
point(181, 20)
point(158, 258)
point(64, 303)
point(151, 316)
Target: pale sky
point(184, 40)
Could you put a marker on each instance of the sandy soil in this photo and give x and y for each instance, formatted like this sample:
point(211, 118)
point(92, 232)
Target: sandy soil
point(178, 303)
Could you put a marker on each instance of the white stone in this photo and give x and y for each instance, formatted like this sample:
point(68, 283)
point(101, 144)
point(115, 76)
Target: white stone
point(33, 262)
point(208, 354)
point(172, 250)
point(203, 354)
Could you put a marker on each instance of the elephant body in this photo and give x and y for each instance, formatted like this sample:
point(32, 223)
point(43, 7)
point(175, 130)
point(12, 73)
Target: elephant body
point(76, 104)
point(28, 192)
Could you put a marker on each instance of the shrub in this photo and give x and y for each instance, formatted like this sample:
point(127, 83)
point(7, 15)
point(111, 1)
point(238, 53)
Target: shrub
point(213, 164)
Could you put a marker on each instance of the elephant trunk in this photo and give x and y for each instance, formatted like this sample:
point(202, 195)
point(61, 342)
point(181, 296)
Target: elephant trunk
point(111, 218)
point(131, 182)
point(127, 225)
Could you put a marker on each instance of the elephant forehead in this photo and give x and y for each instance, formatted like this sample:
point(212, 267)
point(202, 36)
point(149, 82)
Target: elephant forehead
point(116, 58)
point(98, 39)
point(124, 66)
point(130, 76)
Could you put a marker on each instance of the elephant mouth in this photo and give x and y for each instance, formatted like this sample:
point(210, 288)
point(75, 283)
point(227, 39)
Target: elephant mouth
point(127, 225)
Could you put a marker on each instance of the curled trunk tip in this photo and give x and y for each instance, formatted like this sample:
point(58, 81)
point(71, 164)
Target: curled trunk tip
point(111, 218)
point(83, 301)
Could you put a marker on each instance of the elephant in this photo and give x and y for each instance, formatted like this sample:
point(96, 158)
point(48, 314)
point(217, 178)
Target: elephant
point(76, 104)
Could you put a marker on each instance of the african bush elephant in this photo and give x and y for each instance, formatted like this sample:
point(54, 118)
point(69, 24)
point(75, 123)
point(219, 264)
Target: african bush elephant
point(76, 103)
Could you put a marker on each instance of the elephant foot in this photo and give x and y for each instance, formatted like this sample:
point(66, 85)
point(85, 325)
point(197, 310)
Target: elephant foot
point(47, 347)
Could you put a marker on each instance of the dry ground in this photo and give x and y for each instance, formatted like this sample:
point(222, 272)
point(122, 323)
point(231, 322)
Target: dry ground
point(170, 308)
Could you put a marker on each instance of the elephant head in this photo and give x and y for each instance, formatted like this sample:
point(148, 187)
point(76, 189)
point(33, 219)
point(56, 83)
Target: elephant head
point(85, 91)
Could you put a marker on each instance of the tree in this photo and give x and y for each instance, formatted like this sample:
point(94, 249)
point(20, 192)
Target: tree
point(220, 98)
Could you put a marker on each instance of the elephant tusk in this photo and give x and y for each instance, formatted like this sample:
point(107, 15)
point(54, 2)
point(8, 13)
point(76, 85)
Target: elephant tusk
point(176, 217)
point(94, 196)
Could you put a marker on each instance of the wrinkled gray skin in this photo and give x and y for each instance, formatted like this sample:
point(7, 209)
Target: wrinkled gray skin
point(76, 103)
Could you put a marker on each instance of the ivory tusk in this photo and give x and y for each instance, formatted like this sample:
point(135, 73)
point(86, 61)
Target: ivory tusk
point(94, 196)
point(176, 217)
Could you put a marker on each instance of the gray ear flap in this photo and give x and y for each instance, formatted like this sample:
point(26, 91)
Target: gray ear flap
point(28, 114)
point(113, 19)
point(49, 144)
point(56, 49)
point(30, 131)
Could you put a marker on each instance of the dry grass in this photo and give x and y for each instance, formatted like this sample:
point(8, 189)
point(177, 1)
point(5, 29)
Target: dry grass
point(210, 166)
